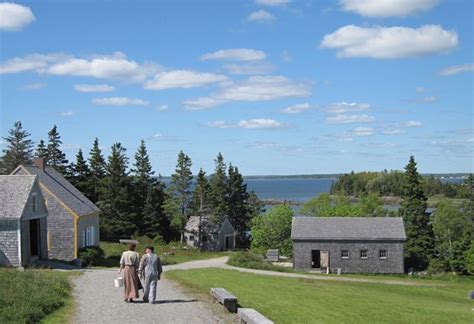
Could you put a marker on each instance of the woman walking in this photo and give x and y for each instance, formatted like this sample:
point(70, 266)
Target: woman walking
point(129, 263)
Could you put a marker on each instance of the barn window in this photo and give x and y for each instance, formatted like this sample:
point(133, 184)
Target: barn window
point(383, 254)
point(363, 254)
point(345, 254)
point(191, 237)
point(33, 202)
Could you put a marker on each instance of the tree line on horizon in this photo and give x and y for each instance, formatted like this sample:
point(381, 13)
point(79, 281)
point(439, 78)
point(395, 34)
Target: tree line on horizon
point(133, 201)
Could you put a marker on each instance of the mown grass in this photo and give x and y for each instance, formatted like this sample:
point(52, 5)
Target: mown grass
point(113, 251)
point(32, 295)
point(290, 300)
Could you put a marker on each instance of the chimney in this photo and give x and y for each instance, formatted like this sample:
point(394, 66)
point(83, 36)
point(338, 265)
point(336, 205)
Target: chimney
point(39, 163)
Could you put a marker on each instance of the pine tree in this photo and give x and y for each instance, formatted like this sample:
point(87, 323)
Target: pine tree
point(237, 201)
point(154, 219)
point(80, 173)
point(116, 220)
point(56, 158)
point(97, 172)
point(420, 243)
point(19, 149)
point(218, 190)
point(200, 200)
point(41, 151)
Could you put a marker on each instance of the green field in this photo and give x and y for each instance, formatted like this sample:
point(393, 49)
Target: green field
point(113, 251)
point(34, 295)
point(289, 300)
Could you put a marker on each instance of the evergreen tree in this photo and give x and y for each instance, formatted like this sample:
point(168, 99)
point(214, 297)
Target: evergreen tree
point(19, 149)
point(56, 158)
point(79, 173)
point(42, 151)
point(154, 219)
point(116, 220)
point(218, 189)
point(97, 172)
point(200, 200)
point(419, 245)
point(237, 201)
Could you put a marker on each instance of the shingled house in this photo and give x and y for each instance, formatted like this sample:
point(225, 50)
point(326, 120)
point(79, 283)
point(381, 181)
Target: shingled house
point(73, 220)
point(214, 236)
point(352, 244)
point(23, 221)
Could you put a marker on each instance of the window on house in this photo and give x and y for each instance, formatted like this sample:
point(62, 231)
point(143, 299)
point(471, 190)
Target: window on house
point(204, 238)
point(33, 202)
point(383, 254)
point(363, 254)
point(191, 237)
point(88, 236)
point(345, 254)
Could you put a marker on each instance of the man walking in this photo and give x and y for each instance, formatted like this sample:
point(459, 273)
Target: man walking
point(150, 272)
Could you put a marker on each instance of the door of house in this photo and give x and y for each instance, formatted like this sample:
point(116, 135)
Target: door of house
point(35, 238)
point(229, 240)
point(315, 259)
point(324, 264)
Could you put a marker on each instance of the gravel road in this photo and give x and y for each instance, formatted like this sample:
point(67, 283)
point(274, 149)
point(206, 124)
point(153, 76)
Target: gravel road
point(98, 301)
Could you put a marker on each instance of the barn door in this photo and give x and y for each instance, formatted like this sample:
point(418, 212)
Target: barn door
point(324, 259)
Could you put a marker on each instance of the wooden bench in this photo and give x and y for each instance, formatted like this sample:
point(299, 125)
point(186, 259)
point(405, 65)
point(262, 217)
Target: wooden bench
point(251, 316)
point(272, 255)
point(225, 298)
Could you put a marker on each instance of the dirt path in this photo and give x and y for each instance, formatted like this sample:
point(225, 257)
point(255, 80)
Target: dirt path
point(98, 301)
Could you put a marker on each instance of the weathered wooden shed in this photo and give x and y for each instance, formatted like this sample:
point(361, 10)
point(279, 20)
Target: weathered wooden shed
point(218, 236)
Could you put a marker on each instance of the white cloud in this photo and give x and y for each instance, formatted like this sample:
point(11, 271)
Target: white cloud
point(412, 123)
point(249, 68)
point(296, 109)
point(272, 3)
point(348, 119)
point(235, 54)
point(259, 123)
point(363, 131)
point(345, 107)
point(455, 69)
point(390, 42)
point(68, 113)
point(115, 66)
point(162, 108)
point(14, 17)
point(119, 101)
point(393, 131)
point(93, 88)
point(420, 89)
point(255, 88)
point(387, 8)
point(34, 86)
point(182, 79)
point(261, 16)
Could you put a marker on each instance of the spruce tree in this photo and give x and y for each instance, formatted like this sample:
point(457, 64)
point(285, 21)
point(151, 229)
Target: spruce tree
point(116, 220)
point(420, 243)
point(97, 171)
point(56, 158)
point(200, 200)
point(41, 151)
point(80, 173)
point(237, 201)
point(154, 219)
point(19, 149)
point(218, 190)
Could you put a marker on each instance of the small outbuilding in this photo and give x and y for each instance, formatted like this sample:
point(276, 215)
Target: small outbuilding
point(23, 221)
point(351, 244)
point(218, 236)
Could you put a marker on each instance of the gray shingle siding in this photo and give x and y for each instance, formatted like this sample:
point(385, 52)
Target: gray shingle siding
point(9, 243)
point(60, 231)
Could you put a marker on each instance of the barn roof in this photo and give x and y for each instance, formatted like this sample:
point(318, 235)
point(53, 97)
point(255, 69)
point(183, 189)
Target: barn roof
point(14, 193)
point(62, 189)
point(348, 228)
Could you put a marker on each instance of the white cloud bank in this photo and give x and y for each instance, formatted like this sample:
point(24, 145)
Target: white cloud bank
point(296, 109)
point(255, 88)
point(390, 42)
point(14, 17)
point(412, 123)
point(119, 101)
point(345, 107)
point(93, 88)
point(349, 119)
point(235, 54)
point(387, 8)
point(261, 16)
point(182, 79)
point(259, 123)
point(363, 131)
point(253, 68)
point(456, 69)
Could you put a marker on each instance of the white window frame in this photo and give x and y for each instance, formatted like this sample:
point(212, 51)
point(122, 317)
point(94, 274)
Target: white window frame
point(385, 256)
point(344, 256)
point(366, 254)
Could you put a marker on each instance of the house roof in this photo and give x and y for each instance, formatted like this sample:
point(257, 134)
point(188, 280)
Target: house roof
point(206, 225)
point(14, 193)
point(348, 228)
point(62, 189)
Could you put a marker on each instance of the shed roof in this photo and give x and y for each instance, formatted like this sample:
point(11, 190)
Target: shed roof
point(206, 225)
point(348, 228)
point(14, 193)
point(62, 189)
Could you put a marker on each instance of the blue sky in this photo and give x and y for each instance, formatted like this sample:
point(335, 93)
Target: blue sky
point(277, 86)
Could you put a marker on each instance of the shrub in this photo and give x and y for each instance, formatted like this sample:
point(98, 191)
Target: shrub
point(158, 240)
point(91, 255)
point(250, 260)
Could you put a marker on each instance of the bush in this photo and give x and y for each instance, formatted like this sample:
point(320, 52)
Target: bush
point(250, 260)
point(158, 240)
point(91, 255)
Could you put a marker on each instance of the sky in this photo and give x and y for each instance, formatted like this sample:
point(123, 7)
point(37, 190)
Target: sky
point(276, 86)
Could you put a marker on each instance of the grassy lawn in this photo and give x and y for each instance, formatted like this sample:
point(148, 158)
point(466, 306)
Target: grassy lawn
point(35, 295)
point(289, 300)
point(113, 251)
